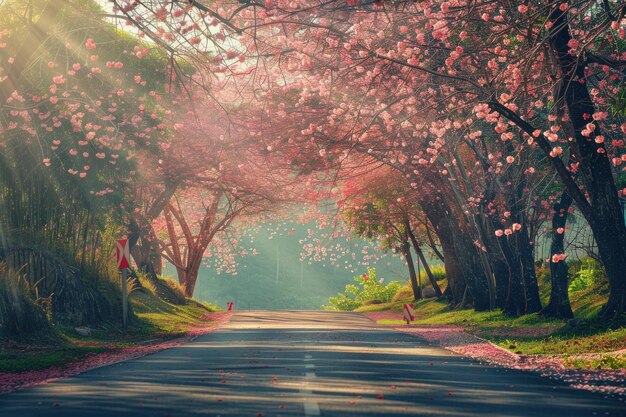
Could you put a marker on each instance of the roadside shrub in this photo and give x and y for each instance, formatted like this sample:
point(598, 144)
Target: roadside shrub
point(368, 287)
point(438, 271)
point(589, 273)
point(405, 293)
point(76, 296)
point(163, 287)
point(20, 314)
point(176, 289)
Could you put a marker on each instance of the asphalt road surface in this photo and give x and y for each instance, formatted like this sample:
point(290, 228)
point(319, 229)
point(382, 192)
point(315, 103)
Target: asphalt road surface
point(305, 363)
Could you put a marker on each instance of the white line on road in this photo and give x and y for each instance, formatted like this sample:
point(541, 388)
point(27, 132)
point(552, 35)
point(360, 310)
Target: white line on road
point(311, 408)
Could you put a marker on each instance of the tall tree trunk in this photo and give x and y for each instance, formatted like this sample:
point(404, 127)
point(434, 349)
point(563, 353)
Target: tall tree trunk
point(515, 303)
point(455, 273)
point(604, 215)
point(559, 306)
point(477, 282)
point(501, 276)
point(406, 252)
point(421, 256)
point(523, 248)
point(529, 275)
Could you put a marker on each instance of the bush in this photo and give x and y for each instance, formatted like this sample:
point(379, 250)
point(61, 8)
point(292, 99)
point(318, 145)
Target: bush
point(438, 271)
point(589, 273)
point(163, 287)
point(371, 302)
point(20, 314)
point(368, 288)
point(76, 296)
point(405, 293)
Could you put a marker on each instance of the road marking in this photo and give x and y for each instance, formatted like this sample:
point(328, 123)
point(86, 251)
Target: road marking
point(311, 408)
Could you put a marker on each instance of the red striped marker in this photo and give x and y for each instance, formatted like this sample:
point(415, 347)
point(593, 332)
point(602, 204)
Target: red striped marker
point(409, 314)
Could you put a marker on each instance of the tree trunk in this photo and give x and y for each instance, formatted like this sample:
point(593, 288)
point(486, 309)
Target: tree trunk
point(604, 215)
point(476, 280)
point(455, 273)
point(515, 303)
point(529, 275)
point(559, 306)
point(406, 251)
point(501, 276)
point(524, 250)
point(421, 256)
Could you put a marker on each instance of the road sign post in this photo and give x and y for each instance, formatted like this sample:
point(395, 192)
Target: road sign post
point(122, 251)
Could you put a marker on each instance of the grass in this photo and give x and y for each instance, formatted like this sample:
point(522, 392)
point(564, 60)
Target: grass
point(533, 334)
point(602, 362)
point(154, 319)
point(42, 357)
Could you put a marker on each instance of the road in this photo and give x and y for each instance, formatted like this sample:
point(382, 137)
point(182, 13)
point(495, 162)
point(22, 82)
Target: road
point(268, 363)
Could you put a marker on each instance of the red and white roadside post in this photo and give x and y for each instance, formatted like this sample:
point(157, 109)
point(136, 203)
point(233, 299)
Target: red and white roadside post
point(122, 252)
point(230, 306)
point(409, 313)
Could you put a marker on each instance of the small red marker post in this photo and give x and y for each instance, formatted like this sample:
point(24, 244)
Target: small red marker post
point(409, 313)
point(122, 252)
point(230, 306)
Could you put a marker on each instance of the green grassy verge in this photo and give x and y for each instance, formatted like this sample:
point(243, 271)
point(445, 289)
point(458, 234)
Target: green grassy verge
point(533, 334)
point(154, 319)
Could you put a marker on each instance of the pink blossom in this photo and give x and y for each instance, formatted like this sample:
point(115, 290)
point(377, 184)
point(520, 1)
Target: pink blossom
point(556, 151)
point(90, 44)
point(573, 43)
